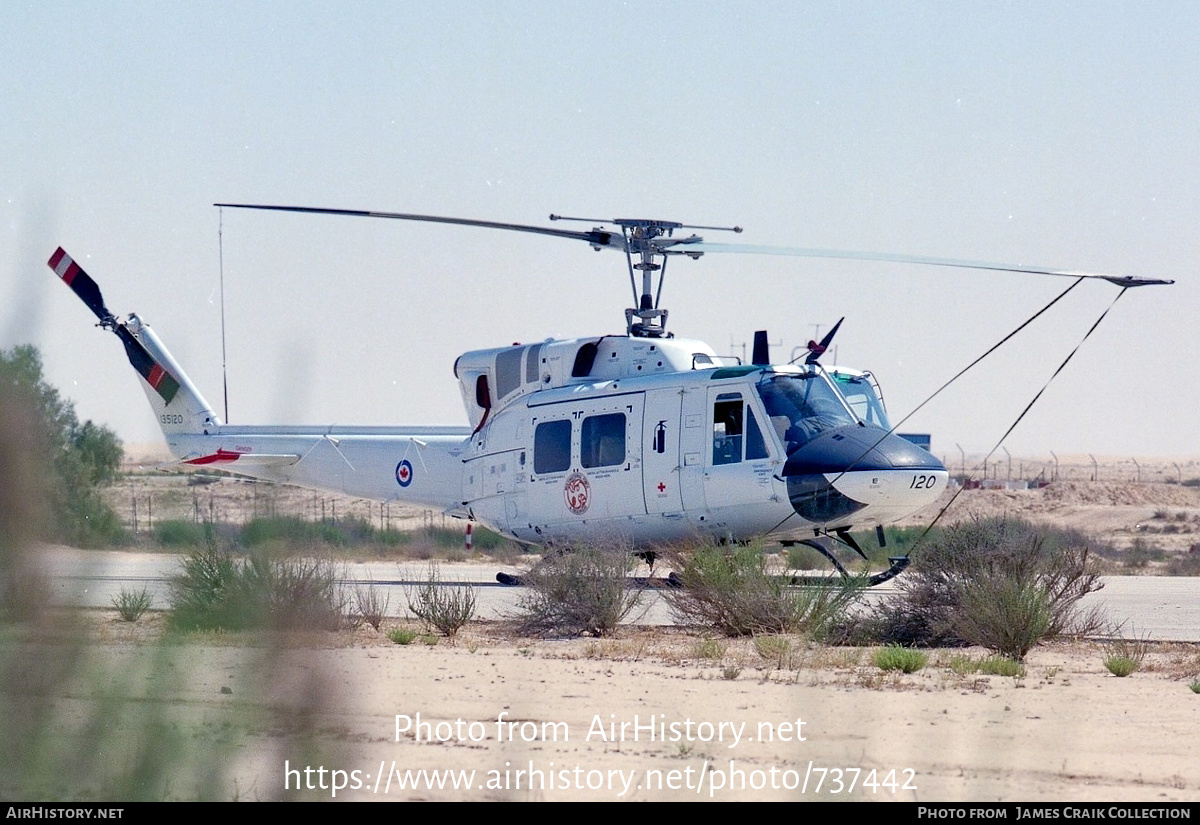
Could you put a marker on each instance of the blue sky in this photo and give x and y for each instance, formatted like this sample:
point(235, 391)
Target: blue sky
point(1055, 133)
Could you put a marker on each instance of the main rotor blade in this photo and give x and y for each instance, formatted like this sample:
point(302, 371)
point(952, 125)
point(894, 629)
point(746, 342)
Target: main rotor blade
point(595, 237)
point(1119, 280)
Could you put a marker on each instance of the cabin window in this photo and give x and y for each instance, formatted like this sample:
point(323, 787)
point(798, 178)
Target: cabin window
point(552, 447)
point(602, 441)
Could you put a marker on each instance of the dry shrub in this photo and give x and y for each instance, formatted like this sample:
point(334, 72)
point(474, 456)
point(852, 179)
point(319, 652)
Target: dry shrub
point(581, 591)
point(1004, 615)
point(728, 589)
point(132, 604)
point(442, 607)
point(371, 604)
point(1000, 583)
point(1127, 655)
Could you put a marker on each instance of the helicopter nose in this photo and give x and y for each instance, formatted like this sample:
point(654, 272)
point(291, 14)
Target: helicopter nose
point(857, 448)
point(854, 451)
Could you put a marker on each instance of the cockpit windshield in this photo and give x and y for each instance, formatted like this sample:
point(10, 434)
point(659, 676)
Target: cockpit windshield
point(862, 394)
point(802, 405)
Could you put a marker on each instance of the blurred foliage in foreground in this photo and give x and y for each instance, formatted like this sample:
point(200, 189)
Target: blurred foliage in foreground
point(68, 463)
point(82, 719)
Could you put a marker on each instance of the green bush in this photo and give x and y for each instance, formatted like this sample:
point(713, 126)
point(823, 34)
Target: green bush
point(487, 540)
point(290, 530)
point(217, 591)
point(1000, 666)
point(894, 657)
point(989, 666)
point(73, 461)
point(711, 649)
point(402, 635)
point(445, 537)
point(1126, 655)
point(1004, 615)
point(802, 557)
point(1119, 665)
point(1000, 583)
point(729, 589)
point(899, 541)
point(775, 649)
point(177, 533)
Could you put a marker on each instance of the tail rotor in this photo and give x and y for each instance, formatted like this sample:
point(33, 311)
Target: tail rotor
point(82, 284)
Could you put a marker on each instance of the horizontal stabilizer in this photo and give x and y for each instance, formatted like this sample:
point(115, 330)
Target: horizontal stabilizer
point(223, 456)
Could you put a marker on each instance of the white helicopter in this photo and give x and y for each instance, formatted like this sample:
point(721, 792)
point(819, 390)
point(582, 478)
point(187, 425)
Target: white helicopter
point(642, 438)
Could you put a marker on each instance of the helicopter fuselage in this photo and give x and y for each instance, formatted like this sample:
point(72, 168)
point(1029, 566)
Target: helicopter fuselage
point(617, 439)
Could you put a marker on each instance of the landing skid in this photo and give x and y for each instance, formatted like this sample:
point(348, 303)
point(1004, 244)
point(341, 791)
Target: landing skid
point(670, 580)
point(899, 563)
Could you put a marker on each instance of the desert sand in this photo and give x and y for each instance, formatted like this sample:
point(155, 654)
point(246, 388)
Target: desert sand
point(652, 714)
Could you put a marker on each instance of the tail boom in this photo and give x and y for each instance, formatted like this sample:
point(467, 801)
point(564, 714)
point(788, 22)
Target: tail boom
point(419, 465)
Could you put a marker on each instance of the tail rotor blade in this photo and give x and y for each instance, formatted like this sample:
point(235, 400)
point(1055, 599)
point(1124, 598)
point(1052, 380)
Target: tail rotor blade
point(140, 358)
point(81, 284)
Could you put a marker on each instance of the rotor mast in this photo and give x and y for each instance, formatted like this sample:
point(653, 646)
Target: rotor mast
point(647, 241)
point(651, 320)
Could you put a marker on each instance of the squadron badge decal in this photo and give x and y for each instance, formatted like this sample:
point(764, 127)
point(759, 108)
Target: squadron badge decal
point(577, 492)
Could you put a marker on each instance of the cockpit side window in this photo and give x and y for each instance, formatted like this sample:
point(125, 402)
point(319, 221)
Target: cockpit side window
point(727, 428)
point(735, 430)
point(756, 447)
